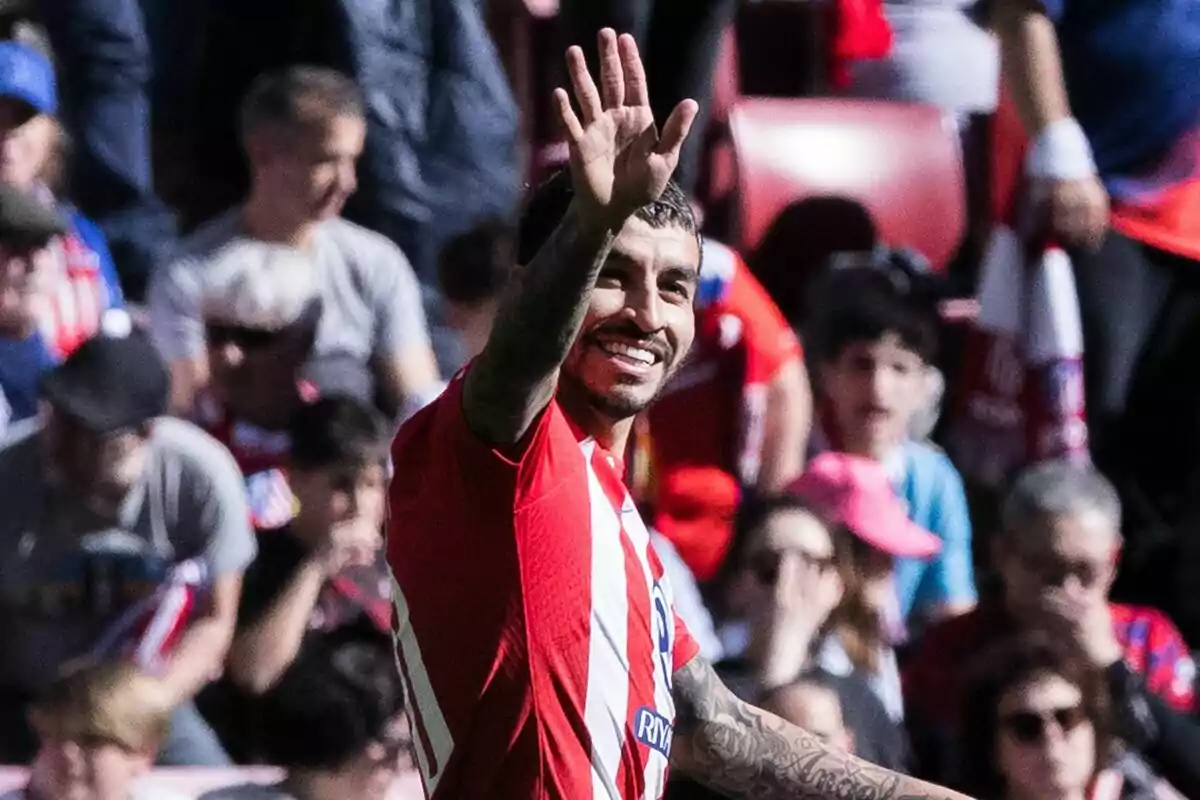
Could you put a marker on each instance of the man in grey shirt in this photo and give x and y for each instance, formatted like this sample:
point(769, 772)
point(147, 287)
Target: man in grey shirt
point(103, 500)
point(303, 131)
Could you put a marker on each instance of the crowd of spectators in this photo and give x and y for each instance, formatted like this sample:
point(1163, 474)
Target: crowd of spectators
point(197, 419)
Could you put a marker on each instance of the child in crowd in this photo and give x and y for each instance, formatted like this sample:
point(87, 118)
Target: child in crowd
point(99, 727)
point(873, 340)
point(336, 724)
point(317, 575)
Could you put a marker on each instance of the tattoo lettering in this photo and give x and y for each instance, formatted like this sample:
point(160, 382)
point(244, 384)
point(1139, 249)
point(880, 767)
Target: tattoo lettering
point(742, 751)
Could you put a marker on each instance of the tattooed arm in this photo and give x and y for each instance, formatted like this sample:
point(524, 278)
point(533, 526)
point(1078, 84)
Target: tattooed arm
point(514, 377)
point(739, 750)
point(619, 163)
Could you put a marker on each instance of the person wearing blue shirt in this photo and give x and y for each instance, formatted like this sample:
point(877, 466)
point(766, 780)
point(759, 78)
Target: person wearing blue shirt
point(67, 289)
point(874, 340)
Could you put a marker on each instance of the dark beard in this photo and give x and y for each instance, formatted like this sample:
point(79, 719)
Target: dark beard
point(614, 408)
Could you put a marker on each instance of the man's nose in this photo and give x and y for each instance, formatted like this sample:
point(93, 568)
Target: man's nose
point(646, 308)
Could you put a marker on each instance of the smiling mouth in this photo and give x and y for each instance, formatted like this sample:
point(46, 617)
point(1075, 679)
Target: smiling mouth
point(632, 354)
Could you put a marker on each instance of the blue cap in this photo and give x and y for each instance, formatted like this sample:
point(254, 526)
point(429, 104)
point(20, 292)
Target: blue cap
point(28, 76)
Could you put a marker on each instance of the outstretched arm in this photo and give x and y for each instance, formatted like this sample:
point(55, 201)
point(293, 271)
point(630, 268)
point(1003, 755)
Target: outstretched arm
point(619, 163)
point(737, 749)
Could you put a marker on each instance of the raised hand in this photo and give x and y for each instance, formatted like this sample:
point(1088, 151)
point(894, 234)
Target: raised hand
point(619, 160)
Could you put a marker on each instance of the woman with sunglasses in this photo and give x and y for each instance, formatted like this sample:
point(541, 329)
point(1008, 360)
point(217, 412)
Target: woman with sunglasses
point(814, 588)
point(1037, 726)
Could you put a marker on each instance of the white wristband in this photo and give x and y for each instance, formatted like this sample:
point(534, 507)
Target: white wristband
point(1060, 152)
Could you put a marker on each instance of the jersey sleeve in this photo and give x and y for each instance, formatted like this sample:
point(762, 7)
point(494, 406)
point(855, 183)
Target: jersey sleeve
point(685, 648)
point(439, 435)
point(769, 341)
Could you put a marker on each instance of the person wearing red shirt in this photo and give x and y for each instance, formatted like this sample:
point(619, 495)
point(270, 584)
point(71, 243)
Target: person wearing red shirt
point(745, 368)
point(535, 631)
point(1056, 558)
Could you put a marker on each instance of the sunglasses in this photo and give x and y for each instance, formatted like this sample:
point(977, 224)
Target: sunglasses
point(243, 337)
point(765, 564)
point(1029, 727)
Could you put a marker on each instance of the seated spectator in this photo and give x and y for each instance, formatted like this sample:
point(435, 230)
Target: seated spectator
point(76, 282)
point(320, 572)
point(853, 492)
point(819, 584)
point(874, 339)
point(336, 724)
point(812, 702)
point(99, 727)
point(303, 131)
point(1037, 726)
point(1056, 555)
point(26, 229)
point(104, 498)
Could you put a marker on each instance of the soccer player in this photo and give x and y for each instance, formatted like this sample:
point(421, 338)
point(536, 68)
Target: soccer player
point(535, 633)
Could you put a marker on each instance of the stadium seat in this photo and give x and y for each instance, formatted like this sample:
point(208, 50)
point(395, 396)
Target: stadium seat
point(902, 163)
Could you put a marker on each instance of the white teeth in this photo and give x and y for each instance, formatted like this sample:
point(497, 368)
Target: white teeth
point(639, 354)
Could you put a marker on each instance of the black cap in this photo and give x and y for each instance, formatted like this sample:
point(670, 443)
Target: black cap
point(110, 383)
point(25, 221)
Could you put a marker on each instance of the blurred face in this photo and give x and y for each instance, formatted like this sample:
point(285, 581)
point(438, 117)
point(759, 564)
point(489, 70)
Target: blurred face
point(874, 389)
point(71, 770)
point(255, 371)
point(309, 172)
point(88, 464)
point(796, 533)
point(350, 501)
point(639, 325)
point(21, 274)
point(27, 141)
point(1046, 746)
point(1073, 555)
point(814, 708)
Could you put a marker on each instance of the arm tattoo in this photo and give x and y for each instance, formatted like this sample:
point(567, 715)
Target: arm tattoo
point(513, 379)
point(742, 751)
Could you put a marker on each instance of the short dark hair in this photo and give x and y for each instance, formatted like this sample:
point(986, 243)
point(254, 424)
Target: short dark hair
point(475, 265)
point(340, 695)
point(548, 204)
point(339, 432)
point(1006, 664)
point(299, 96)
point(865, 304)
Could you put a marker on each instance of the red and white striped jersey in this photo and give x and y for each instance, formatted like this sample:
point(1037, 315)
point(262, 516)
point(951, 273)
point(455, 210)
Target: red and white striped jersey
point(535, 630)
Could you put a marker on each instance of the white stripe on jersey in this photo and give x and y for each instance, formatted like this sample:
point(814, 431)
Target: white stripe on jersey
point(662, 627)
point(608, 654)
point(428, 712)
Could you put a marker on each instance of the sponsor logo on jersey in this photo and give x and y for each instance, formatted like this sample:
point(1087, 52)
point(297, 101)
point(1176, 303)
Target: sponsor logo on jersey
point(653, 730)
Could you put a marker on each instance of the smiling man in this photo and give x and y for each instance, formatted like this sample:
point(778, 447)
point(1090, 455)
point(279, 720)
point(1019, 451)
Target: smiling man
point(535, 630)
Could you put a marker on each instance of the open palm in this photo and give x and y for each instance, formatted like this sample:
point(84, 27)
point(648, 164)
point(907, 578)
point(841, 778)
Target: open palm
point(619, 161)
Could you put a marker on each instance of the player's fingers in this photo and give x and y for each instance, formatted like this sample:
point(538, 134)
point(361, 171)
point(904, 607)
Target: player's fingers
point(585, 88)
point(612, 77)
point(637, 91)
point(676, 128)
point(566, 115)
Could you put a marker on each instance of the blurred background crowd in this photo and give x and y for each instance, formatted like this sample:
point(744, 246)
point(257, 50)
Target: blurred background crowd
point(926, 486)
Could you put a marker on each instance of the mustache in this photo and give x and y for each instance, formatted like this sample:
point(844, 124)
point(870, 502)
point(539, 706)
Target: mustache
point(631, 332)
